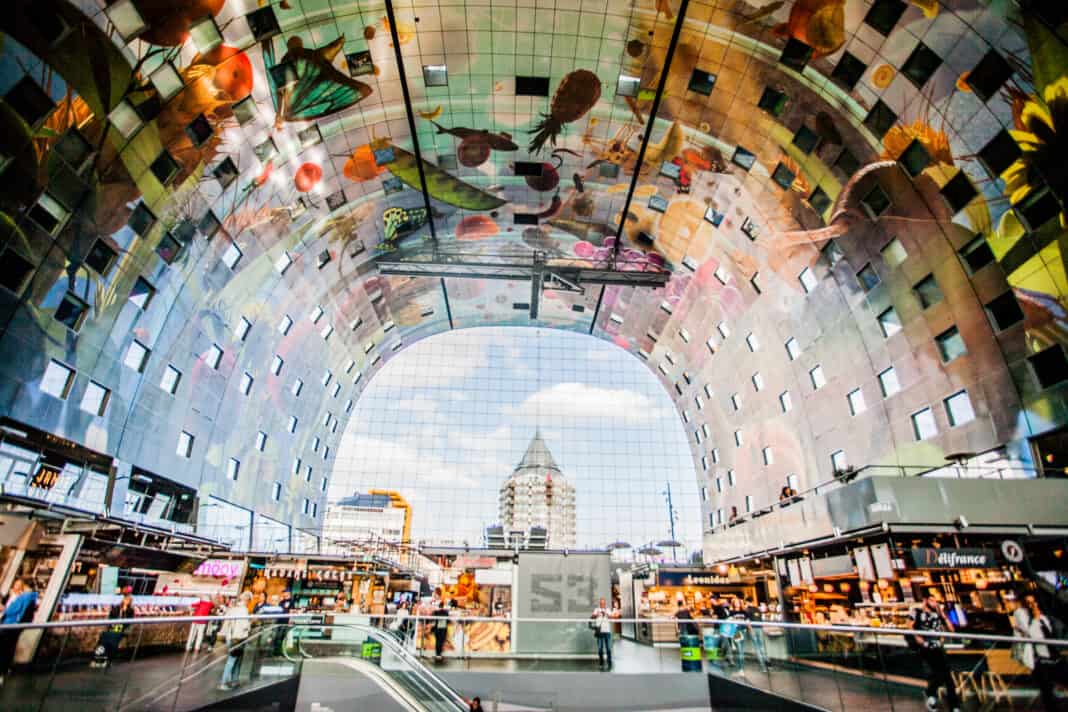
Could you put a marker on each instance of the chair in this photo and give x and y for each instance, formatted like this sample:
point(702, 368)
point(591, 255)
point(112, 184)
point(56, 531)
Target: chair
point(999, 662)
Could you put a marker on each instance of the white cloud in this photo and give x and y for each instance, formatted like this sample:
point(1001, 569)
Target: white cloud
point(578, 400)
point(364, 459)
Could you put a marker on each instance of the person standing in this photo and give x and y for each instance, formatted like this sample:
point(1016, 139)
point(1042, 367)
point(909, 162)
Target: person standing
point(1039, 658)
point(441, 631)
point(602, 626)
point(108, 646)
point(21, 605)
point(196, 631)
point(931, 618)
point(399, 625)
point(235, 630)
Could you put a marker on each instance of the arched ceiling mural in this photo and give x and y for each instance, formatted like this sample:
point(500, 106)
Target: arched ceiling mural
point(188, 176)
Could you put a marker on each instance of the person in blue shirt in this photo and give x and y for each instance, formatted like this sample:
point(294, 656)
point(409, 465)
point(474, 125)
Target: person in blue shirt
point(21, 605)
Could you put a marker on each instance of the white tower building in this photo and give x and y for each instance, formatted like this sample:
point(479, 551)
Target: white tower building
point(538, 495)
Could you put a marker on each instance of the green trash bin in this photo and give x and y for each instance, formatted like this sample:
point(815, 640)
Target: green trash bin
point(690, 653)
point(372, 650)
point(711, 643)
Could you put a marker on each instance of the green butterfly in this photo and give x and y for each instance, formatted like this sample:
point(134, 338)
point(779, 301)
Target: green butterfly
point(305, 85)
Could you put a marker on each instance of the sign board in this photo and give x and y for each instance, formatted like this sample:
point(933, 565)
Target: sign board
point(928, 558)
point(474, 562)
point(552, 585)
point(1012, 551)
point(698, 577)
point(221, 568)
point(45, 477)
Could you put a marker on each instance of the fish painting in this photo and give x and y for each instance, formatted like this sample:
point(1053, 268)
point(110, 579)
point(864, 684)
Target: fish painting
point(497, 141)
point(305, 85)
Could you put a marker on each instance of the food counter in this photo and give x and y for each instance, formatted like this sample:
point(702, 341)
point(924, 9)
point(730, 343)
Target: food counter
point(80, 641)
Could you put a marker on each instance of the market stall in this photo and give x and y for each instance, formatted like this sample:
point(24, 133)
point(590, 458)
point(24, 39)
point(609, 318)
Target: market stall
point(481, 586)
point(660, 592)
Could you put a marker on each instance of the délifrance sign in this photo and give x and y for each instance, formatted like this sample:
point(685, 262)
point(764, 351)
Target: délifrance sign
point(929, 558)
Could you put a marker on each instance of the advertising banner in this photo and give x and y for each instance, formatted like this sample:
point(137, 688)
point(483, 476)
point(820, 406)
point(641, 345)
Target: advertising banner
point(552, 585)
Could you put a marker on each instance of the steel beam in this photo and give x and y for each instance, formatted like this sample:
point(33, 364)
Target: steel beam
point(577, 276)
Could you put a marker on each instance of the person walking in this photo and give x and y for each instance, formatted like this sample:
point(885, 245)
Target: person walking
point(441, 631)
point(601, 622)
point(235, 630)
point(196, 631)
point(1038, 658)
point(930, 617)
point(399, 625)
point(21, 605)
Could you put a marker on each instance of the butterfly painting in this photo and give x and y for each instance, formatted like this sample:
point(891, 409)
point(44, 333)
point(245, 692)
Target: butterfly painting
point(305, 84)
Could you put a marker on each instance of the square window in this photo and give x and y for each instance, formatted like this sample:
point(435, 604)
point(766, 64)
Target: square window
point(57, 380)
point(199, 130)
point(848, 71)
point(889, 322)
point(950, 344)
point(226, 172)
point(71, 312)
point(48, 213)
point(928, 291)
point(292, 427)
point(126, 19)
point(710, 345)
point(608, 170)
point(348, 405)
point(819, 200)
point(722, 275)
point(276, 364)
point(136, 356)
point(959, 191)
point(170, 380)
point(893, 253)
point(888, 382)
point(628, 85)
point(263, 23)
point(702, 82)
point(185, 444)
point(246, 383)
point(297, 387)
point(736, 401)
point(724, 329)
point(1050, 366)
point(752, 342)
point(876, 202)
point(29, 101)
point(232, 255)
point(244, 110)
point(327, 377)
point(769, 456)
point(783, 176)
point(1000, 153)
point(816, 376)
point(316, 314)
point(1004, 311)
point(261, 440)
point(242, 328)
point(737, 441)
point(168, 248)
point(233, 468)
point(1037, 208)
point(920, 65)
point(16, 272)
point(754, 282)
point(867, 277)
point(808, 280)
point(283, 262)
point(758, 382)
point(285, 325)
point(336, 200)
point(714, 454)
point(880, 119)
point(847, 162)
point(795, 54)
point(772, 101)
point(743, 158)
point(326, 331)
point(323, 259)
point(914, 158)
point(213, 356)
point(167, 81)
point(141, 220)
point(435, 75)
point(276, 491)
point(856, 402)
point(959, 409)
point(793, 348)
point(142, 293)
point(884, 14)
point(923, 424)
point(785, 402)
point(976, 254)
point(989, 75)
point(324, 484)
point(831, 253)
point(839, 463)
point(806, 139)
point(164, 168)
point(126, 118)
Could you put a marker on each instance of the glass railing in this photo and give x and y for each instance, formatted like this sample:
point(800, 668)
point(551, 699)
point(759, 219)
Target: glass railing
point(142, 664)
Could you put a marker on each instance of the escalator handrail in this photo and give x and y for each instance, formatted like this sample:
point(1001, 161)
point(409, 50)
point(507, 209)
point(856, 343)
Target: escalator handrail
point(434, 683)
point(393, 688)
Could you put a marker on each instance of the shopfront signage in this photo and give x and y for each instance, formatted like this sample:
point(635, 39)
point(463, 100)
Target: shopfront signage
point(220, 568)
point(475, 562)
point(1012, 551)
point(46, 477)
point(691, 578)
point(927, 558)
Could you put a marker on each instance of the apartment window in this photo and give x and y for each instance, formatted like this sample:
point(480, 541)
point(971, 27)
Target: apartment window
point(697, 436)
point(920, 65)
point(276, 364)
point(246, 383)
point(185, 444)
point(831, 254)
point(817, 377)
point(808, 280)
point(315, 444)
point(795, 54)
point(848, 71)
point(719, 485)
point(57, 380)
point(793, 348)
point(171, 377)
point(296, 466)
point(297, 387)
point(686, 416)
point(772, 101)
point(355, 324)
point(17, 270)
point(1050, 366)
point(233, 468)
point(213, 356)
point(889, 322)
point(719, 516)
point(758, 382)
point(769, 456)
point(752, 342)
point(722, 274)
point(316, 315)
point(785, 402)
point(706, 430)
point(283, 263)
point(923, 424)
point(783, 176)
point(893, 253)
point(976, 254)
point(888, 382)
point(867, 277)
point(731, 479)
point(838, 461)
point(292, 426)
point(724, 329)
point(856, 402)
point(959, 409)
point(699, 403)
point(714, 454)
point(880, 119)
point(738, 438)
point(285, 325)
point(1004, 311)
point(999, 153)
point(950, 344)
point(348, 405)
point(326, 451)
point(704, 466)
point(736, 401)
point(336, 389)
point(261, 440)
point(232, 255)
point(793, 482)
point(308, 473)
point(71, 312)
point(136, 356)
point(748, 503)
point(708, 390)
point(959, 191)
point(243, 326)
point(743, 158)
point(307, 506)
point(819, 200)
point(928, 291)
point(276, 491)
point(754, 282)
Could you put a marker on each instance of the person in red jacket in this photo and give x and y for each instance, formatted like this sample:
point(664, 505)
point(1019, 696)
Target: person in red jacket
point(196, 630)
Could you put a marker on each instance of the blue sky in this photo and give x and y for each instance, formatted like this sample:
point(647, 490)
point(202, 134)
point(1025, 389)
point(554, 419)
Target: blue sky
point(448, 418)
